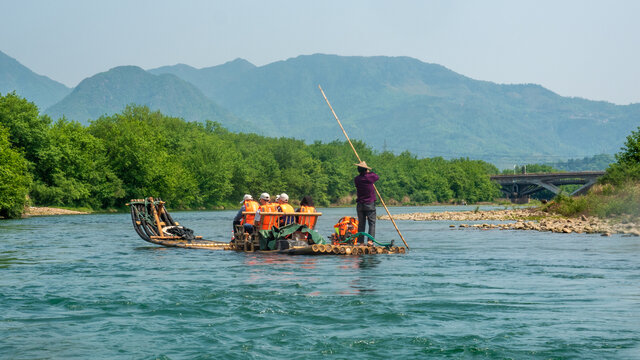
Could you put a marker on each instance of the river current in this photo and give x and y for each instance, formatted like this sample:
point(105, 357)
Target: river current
point(87, 287)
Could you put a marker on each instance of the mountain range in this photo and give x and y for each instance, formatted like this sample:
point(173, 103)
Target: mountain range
point(391, 103)
point(43, 91)
point(109, 92)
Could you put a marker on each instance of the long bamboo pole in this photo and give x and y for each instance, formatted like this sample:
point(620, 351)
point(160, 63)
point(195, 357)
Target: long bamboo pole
point(359, 160)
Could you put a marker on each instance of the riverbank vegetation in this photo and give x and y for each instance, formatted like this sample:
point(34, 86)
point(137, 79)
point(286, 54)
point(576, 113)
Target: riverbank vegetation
point(191, 165)
point(618, 191)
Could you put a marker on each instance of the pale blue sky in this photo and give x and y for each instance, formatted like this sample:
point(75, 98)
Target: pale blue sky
point(581, 48)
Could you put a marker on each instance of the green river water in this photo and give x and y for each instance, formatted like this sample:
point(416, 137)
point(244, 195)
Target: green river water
point(87, 287)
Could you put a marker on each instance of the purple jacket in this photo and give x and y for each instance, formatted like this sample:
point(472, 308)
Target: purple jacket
point(364, 187)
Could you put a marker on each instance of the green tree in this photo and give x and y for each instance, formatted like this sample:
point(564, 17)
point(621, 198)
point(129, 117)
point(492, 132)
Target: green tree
point(627, 167)
point(73, 170)
point(14, 178)
point(335, 161)
point(138, 147)
point(27, 129)
point(630, 154)
point(211, 161)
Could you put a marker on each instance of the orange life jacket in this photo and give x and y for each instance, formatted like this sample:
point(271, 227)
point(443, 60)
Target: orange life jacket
point(268, 221)
point(310, 221)
point(288, 209)
point(250, 206)
point(347, 225)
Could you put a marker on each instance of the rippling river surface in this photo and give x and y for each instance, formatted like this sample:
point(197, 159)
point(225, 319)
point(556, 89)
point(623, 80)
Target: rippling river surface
point(88, 287)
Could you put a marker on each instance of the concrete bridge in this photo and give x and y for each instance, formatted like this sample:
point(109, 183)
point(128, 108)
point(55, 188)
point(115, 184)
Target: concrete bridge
point(519, 187)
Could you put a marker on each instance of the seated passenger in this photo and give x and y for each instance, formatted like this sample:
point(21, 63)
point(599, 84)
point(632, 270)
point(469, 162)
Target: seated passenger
point(284, 207)
point(306, 206)
point(248, 205)
point(266, 221)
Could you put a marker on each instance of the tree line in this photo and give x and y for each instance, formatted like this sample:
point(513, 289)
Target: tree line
point(138, 153)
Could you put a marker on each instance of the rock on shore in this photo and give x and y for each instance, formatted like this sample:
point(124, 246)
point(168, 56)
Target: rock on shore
point(530, 219)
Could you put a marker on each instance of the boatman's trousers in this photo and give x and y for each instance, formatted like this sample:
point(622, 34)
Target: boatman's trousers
point(366, 213)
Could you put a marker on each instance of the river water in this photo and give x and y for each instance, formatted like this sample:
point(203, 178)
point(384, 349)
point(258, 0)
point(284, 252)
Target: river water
point(88, 287)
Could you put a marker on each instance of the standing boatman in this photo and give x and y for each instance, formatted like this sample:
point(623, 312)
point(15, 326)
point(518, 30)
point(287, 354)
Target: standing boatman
point(366, 201)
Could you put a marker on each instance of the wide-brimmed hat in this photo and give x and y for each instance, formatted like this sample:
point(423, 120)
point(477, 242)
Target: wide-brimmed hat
point(246, 197)
point(362, 164)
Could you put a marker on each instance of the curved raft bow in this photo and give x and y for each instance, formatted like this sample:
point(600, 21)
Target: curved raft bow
point(154, 224)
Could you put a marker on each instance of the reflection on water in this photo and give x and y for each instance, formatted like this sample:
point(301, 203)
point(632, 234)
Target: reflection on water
point(368, 262)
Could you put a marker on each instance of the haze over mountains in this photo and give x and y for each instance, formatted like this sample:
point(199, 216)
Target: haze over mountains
point(392, 103)
point(37, 88)
point(109, 92)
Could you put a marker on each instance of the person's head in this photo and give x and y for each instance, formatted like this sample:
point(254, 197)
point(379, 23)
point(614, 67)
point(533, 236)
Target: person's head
point(277, 199)
point(246, 197)
point(264, 198)
point(362, 167)
point(306, 201)
point(284, 198)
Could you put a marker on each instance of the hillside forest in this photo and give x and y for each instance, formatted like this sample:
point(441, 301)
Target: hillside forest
point(192, 165)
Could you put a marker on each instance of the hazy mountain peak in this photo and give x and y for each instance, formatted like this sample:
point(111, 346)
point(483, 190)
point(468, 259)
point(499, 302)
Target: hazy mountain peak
point(37, 88)
point(111, 91)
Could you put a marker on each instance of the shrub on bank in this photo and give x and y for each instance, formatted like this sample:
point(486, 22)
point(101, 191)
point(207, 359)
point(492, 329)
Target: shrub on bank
point(604, 200)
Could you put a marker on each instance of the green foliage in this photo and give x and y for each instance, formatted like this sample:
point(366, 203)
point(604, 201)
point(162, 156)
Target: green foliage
point(139, 152)
point(27, 129)
point(627, 167)
point(203, 165)
point(594, 163)
point(14, 178)
point(617, 193)
point(73, 171)
point(630, 154)
point(140, 145)
point(603, 201)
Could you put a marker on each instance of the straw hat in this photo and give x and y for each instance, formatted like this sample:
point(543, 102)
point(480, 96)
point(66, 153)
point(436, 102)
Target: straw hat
point(362, 164)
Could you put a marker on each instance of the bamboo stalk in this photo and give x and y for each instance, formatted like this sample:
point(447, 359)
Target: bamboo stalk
point(359, 160)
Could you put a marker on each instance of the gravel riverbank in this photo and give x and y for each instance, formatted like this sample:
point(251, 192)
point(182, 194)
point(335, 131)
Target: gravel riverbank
point(43, 211)
point(529, 219)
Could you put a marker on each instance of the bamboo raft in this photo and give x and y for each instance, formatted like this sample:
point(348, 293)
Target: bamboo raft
point(155, 225)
